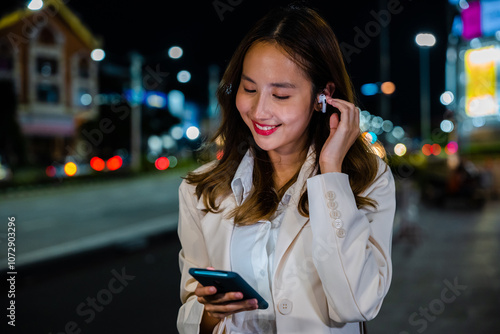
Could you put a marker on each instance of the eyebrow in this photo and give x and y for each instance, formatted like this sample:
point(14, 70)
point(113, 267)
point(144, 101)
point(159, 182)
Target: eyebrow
point(274, 84)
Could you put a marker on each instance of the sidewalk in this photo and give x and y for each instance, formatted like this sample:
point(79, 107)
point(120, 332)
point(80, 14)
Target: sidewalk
point(446, 275)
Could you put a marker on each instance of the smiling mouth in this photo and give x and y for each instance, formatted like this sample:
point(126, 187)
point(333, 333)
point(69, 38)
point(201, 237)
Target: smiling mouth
point(265, 130)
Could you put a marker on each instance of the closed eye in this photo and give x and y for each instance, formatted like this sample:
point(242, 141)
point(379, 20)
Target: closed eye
point(250, 90)
point(281, 97)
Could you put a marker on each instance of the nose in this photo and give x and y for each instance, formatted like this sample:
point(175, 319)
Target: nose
point(261, 107)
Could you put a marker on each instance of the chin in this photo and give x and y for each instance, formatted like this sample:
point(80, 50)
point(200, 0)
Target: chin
point(264, 145)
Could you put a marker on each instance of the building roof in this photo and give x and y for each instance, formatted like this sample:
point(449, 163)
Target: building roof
point(54, 7)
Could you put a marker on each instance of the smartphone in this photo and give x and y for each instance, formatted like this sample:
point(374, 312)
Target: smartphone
point(227, 281)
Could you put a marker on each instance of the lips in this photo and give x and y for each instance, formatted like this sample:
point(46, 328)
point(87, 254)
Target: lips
point(265, 130)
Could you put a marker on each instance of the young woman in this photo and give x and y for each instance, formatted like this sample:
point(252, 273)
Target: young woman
point(298, 205)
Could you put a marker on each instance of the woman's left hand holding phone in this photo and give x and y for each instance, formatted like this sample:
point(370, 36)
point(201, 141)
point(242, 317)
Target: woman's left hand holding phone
point(220, 305)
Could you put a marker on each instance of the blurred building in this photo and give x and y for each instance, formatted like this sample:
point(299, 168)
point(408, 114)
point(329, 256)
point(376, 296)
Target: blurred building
point(45, 55)
point(473, 85)
point(473, 75)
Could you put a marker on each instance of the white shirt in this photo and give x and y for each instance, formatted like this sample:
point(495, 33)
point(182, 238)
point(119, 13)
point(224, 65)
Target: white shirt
point(252, 252)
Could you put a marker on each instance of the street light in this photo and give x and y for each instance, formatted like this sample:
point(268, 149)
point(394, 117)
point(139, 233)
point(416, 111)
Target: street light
point(35, 5)
point(175, 52)
point(97, 54)
point(425, 41)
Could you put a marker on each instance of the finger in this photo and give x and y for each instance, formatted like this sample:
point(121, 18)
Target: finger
point(339, 103)
point(349, 112)
point(220, 311)
point(220, 298)
point(202, 291)
point(334, 121)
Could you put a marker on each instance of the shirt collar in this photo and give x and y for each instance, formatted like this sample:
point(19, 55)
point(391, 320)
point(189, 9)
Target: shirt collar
point(242, 180)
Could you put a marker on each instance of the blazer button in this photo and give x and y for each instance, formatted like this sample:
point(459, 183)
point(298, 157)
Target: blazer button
point(341, 233)
point(285, 306)
point(335, 214)
point(332, 204)
point(330, 195)
point(337, 223)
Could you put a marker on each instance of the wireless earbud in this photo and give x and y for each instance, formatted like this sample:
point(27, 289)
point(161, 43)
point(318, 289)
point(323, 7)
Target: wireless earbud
point(322, 100)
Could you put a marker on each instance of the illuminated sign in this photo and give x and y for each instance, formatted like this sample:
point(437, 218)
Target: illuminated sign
point(479, 18)
point(481, 98)
point(490, 17)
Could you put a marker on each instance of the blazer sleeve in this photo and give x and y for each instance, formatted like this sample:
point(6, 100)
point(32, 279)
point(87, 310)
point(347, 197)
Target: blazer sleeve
point(192, 254)
point(354, 262)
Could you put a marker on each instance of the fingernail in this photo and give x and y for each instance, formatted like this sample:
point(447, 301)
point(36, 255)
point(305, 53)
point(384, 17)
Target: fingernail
point(212, 289)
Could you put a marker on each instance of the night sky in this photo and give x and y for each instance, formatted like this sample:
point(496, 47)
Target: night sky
point(151, 27)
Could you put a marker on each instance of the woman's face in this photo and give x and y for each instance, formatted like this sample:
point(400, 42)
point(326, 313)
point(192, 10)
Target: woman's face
point(274, 99)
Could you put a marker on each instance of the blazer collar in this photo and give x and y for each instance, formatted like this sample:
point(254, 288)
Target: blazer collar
point(292, 224)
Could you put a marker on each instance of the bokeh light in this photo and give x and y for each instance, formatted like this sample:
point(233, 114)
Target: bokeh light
point(388, 88)
point(176, 132)
point(427, 149)
point(86, 99)
point(400, 149)
point(97, 54)
point(156, 100)
point(220, 154)
point(398, 132)
point(387, 126)
point(447, 98)
point(447, 126)
point(417, 159)
point(371, 137)
point(173, 161)
point(50, 171)
point(192, 132)
point(478, 122)
point(97, 164)
point(451, 148)
point(155, 143)
point(175, 52)
point(369, 89)
point(425, 40)
point(35, 5)
point(436, 149)
point(162, 163)
point(183, 76)
point(70, 168)
point(114, 163)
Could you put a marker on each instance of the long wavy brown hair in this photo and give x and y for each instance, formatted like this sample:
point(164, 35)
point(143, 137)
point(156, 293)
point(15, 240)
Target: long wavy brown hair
point(310, 42)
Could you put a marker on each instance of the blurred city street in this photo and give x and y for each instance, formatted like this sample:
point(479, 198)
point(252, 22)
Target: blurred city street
point(446, 275)
point(54, 221)
point(106, 105)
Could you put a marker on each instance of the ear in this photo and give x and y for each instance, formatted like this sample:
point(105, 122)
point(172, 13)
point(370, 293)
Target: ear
point(328, 91)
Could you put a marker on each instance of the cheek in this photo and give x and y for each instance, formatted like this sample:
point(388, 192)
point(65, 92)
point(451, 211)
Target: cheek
point(242, 104)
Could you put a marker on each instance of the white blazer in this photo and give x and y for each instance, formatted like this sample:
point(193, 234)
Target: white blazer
point(333, 269)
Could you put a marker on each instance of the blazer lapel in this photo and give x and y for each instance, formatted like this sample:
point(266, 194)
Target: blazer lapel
point(290, 228)
point(293, 222)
